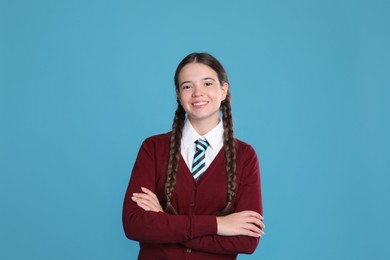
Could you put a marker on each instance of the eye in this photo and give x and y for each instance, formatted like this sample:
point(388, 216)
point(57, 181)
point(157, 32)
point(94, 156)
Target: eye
point(208, 83)
point(185, 87)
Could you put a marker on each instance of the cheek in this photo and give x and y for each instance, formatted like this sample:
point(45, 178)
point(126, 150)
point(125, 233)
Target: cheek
point(179, 95)
point(220, 95)
point(182, 98)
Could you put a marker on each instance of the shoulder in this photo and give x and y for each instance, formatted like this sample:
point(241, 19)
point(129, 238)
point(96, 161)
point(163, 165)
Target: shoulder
point(157, 141)
point(245, 153)
point(248, 165)
point(155, 145)
point(243, 147)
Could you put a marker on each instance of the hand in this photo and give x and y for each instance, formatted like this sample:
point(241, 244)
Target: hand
point(147, 200)
point(247, 223)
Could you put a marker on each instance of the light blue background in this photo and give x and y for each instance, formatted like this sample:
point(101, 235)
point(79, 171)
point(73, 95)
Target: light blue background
point(84, 82)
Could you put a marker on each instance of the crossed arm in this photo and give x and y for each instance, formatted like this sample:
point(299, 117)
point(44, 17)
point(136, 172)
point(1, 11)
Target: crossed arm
point(246, 223)
point(145, 221)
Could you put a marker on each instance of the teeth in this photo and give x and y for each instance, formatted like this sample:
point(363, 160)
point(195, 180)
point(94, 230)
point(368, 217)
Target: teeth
point(200, 104)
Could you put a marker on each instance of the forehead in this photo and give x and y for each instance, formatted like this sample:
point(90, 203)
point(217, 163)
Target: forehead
point(196, 72)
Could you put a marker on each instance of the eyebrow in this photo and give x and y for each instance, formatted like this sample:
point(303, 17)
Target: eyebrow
point(207, 78)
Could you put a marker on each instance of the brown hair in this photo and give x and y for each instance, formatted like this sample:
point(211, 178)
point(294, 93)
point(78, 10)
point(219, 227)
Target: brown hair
point(177, 130)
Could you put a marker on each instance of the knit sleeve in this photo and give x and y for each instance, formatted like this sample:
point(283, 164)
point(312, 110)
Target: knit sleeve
point(157, 227)
point(248, 198)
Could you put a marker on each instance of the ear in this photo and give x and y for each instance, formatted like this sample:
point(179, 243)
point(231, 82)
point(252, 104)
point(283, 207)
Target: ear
point(178, 96)
point(225, 88)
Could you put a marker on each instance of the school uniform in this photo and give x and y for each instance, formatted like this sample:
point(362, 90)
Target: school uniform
point(192, 234)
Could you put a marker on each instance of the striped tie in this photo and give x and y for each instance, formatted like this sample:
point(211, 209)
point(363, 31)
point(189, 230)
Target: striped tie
point(199, 163)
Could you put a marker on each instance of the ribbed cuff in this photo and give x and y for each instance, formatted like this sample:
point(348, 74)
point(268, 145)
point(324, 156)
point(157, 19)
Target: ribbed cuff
point(203, 225)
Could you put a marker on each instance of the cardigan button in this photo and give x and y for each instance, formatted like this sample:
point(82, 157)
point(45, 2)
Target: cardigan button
point(188, 250)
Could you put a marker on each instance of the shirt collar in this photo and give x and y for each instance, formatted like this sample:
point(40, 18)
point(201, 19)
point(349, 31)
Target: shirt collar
point(214, 137)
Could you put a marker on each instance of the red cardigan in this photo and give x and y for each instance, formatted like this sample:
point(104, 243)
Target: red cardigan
point(193, 233)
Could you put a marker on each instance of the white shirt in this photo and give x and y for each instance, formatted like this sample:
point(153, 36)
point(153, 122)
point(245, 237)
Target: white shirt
point(214, 137)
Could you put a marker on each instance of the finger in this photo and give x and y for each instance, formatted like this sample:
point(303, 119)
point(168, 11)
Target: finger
point(147, 191)
point(144, 206)
point(254, 220)
point(254, 229)
point(145, 196)
point(261, 225)
point(149, 194)
point(149, 203)
point(250, 233)
point(257, 222)
point(254, 234)
point(253, 214)
point(140, 204)
point(151, 198)
point(141, 199)
point(147, 206)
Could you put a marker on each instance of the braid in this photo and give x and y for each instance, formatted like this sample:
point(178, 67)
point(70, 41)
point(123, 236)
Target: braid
point(230, 153)
point(174, 155)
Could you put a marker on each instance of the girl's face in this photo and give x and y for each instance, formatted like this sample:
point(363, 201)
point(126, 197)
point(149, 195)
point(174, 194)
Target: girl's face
point(200, 93)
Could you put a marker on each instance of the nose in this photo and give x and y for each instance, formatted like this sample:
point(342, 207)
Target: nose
point(197, 91)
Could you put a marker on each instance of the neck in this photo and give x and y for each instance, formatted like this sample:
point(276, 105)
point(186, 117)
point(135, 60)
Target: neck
point(202, 127)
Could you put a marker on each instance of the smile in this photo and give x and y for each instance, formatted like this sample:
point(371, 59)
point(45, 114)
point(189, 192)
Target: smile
point(198, 104)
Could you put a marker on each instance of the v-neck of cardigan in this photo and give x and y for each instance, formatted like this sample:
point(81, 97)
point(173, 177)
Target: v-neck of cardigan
point(204, 175)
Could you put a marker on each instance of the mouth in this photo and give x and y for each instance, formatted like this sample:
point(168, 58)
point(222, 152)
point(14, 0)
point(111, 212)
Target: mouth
point(200, 103)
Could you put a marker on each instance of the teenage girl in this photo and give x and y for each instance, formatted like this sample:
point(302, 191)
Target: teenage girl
point(194, 193)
